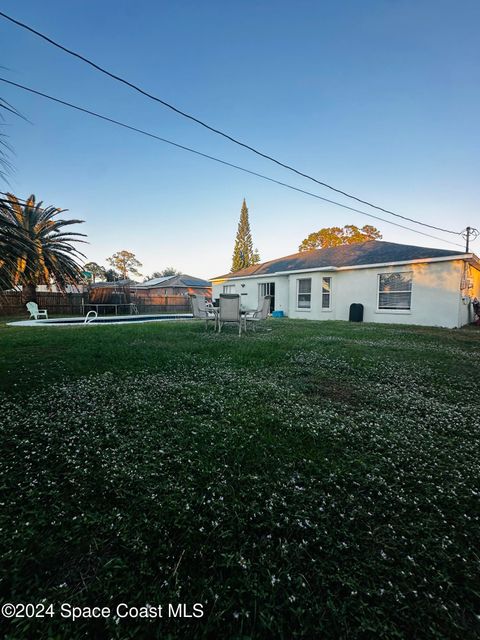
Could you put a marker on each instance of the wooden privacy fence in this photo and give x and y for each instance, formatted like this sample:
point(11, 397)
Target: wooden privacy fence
point(163, 304)
point(11, 303)
point(151, 303)
point(71, 304)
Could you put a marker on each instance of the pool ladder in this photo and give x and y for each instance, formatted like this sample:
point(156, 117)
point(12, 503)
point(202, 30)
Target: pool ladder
point(90, 317)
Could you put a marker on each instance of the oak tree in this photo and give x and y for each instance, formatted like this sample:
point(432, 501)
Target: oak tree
point(336, 236)
point(125, 262)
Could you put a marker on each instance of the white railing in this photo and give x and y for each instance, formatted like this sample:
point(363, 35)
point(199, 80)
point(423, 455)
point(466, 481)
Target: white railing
point(90, 317)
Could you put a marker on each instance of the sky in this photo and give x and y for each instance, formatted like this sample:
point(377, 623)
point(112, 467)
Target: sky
point(379, 98)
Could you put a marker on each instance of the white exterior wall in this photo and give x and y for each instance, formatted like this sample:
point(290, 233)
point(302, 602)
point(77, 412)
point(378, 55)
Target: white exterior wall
point(466, 314)
point(437, 299)
point(248, 290)
point(435, 294)
point(69, 288)
point(315, 312)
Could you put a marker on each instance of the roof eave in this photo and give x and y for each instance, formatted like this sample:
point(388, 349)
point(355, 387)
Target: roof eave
point(473, 260)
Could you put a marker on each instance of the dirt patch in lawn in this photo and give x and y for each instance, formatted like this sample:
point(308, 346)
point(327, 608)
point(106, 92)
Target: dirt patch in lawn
point(329, 389)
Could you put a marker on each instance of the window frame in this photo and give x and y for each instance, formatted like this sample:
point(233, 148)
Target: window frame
point(309, 308)
point(228, 288)
point(265, 289)
point(400, 310)
point(328, 293)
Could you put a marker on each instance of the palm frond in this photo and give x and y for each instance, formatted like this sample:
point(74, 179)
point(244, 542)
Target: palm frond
point(6, 150)
point(34, 248)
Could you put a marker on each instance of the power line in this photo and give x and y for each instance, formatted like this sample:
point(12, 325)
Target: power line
point(220, 161)
point(224, 162)
point(23, 202)
point(209, 127)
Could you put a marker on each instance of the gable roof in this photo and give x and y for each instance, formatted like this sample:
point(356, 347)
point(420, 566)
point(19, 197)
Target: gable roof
point(348, 255)
point(182, 281)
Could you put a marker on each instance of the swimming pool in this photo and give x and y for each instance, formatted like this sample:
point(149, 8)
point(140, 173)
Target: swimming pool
point(66, 322)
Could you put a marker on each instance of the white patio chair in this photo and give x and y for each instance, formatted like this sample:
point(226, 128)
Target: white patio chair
point(200, 310)
point(230, 312)
point(261, 313)
point(35, 312)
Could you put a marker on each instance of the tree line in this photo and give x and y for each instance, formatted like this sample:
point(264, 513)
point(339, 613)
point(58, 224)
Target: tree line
point(124, 265)
point(38, 248)
point(244, 255)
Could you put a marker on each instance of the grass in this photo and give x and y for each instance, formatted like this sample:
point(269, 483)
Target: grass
point(319, 480)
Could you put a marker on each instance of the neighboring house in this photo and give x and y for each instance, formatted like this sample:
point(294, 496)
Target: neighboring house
point(53, 288)
point(394, 282)
point(151, 293)
point(180, 285)
point(69, 288)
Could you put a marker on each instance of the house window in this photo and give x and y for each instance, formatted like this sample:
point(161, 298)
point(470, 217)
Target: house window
point(395, 290)
point(304, 293)
point(228, 288)
point(326, 293)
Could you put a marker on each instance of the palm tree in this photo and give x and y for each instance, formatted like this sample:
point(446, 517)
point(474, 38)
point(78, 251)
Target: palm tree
point(41, 252)
point(12, 247)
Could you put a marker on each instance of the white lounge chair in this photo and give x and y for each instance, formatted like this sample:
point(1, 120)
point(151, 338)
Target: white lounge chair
point(200, 310)
point(261, 313)
point(35, 312)
point(230, 311)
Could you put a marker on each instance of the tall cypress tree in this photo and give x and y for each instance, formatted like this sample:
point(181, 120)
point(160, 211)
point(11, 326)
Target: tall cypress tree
point(243, 253)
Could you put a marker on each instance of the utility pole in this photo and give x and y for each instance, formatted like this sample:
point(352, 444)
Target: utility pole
point(469, 234)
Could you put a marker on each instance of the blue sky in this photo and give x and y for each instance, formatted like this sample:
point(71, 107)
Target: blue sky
point(379, 98)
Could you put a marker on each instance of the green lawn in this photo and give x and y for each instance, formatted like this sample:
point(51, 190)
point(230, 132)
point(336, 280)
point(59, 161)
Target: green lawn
point(318, 480)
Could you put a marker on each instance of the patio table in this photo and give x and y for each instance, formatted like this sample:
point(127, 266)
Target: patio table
point(216, 312)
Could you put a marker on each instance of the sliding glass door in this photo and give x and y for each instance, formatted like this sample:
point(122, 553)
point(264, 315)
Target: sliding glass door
point(267, 289)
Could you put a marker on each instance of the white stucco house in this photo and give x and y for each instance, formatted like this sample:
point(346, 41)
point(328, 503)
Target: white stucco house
point(395, 283)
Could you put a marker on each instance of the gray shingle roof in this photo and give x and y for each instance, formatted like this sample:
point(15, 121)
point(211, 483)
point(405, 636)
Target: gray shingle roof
point(183, 281)
point(365, 253)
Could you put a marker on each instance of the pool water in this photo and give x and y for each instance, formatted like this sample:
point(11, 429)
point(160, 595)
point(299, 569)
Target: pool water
point(100, 320)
